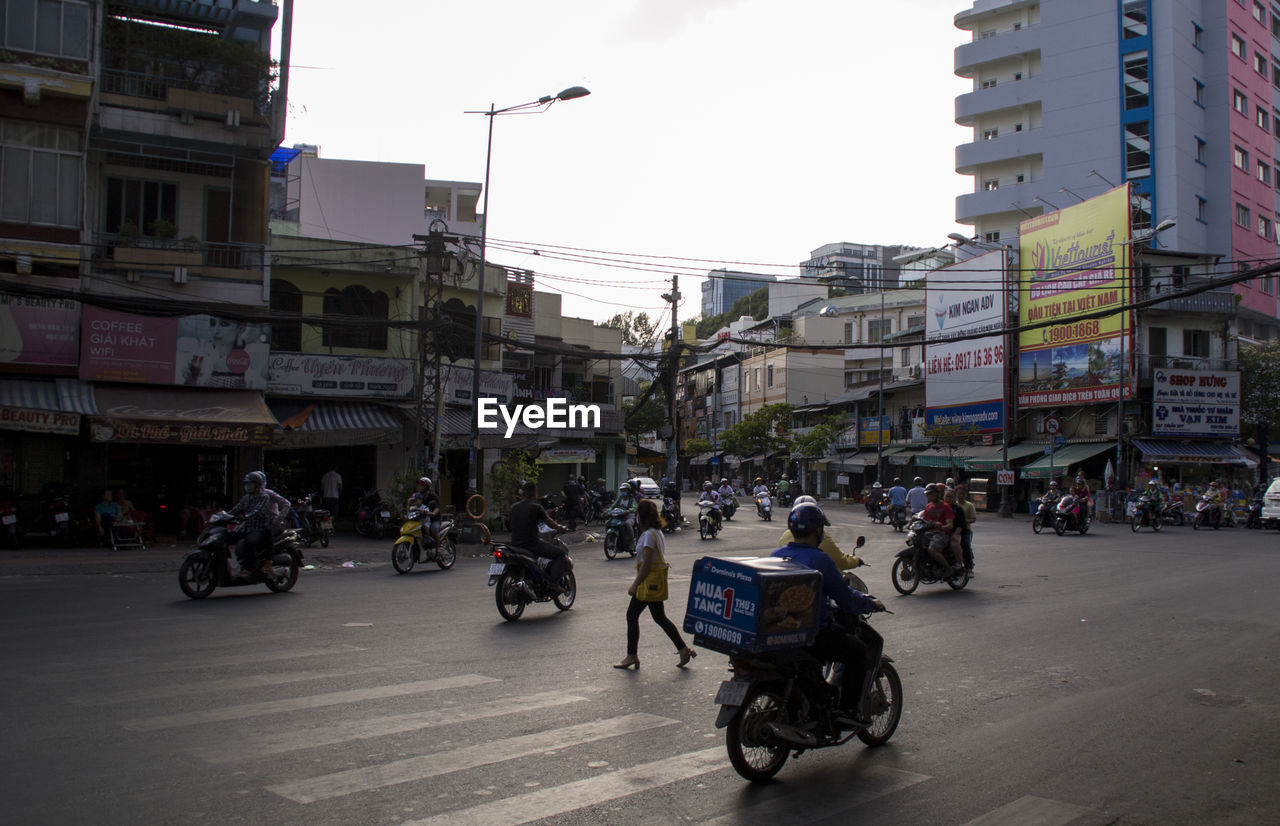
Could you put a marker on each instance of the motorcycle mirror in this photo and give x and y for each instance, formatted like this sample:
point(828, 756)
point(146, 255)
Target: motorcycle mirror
point(862, 540)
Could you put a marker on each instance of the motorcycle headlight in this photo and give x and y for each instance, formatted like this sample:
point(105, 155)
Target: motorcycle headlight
point(208, 539)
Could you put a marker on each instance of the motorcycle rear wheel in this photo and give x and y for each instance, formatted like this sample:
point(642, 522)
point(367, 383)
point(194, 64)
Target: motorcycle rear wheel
point(363, 527)
point(1198, 521)
point(1037, 523)
point(510, 602)
point(1135, 522)
point(196, 578)
point(611, 546)
point(281, 582)
point(380, 530)
point(402, 556)
point(324, 539)
point(958, 581)
point(906, 579)
point(565, 600)
point(447, 555)
point(744, 738)
point(1155, 524)
point(884, 704)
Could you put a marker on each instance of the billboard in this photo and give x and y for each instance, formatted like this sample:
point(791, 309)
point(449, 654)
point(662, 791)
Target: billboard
point(44, 331)
point(195, 350)
point(964, 380)
point(309, 374)
point(1074, 263)
point(1195, 402)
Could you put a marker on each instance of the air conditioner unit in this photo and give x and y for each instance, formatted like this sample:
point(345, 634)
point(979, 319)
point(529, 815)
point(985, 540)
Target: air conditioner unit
point(916, 371)
point(179, 275)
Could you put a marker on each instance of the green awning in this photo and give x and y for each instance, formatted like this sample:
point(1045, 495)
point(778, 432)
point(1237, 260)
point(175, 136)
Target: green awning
point(993, 460)
point(958, 459)
point(1063, 458)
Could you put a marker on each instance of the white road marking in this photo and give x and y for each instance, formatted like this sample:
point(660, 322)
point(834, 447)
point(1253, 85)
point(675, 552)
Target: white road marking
point(1031, 811)
point(558, 800)
point(265, 743)
point(94, 669)
point(355, 695)
point(483, 754)
point(863, 785)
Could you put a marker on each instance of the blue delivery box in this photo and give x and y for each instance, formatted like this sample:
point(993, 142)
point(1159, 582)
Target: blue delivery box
point(753, 604)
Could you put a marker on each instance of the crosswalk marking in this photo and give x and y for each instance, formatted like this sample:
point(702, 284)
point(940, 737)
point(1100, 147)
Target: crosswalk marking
point(266, 743)
point(867, 784)
point(226, 713)
point(65, 672)
point(343, 783)
point(1031, 811)
point(558, 800)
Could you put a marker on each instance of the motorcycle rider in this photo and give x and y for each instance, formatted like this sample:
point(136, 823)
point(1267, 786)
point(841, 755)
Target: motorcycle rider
point(761, 489)
point(525, 516)
point(257, 509)
point(1081, 493)
point(710, 495)
point(966, 534)
point(859, 654)
point(828, 545)
point(629, 500)
point(897, 498)
point(784, 487)
point(874, 498)
point(1155, 499)
point(423, 498)
point(1214, 497)
point(916, 499)
point(940, 520)
point(726, 492)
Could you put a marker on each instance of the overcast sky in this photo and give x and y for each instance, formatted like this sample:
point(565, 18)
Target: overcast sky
point(736, 131)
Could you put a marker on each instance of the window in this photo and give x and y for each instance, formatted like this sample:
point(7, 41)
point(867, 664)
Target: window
point(915, 322)
point(1202, 210)
point(1240, 158)
point(878, 328)
point(1263, 118)
point(51, 27)
point(1158, 341)
point(1137, 149)
point(358, 302)
point(768, 375)
point(1197, 36)
point(1237, 46)
point(1275, 75)
point(1242, 215)
point(1134, 18)
point(906, 357)
point(1199, 98)
point(1239, 102)
point(1275, 21)
point(1201, 150)
point(1020, 177)
point(990, 134)
point(1017, 75)
point(1140, 215)
point(1264, 226)
point(1136, 84)
point(39, 174)
point(755, 375)
point(1195, 343)
point(1017, 127)
point(848, 332)
point(994, 235)
point(139, 203)
point(1260, 64)
point(1267, 285)
point(1259, 13)
point(286, 299)
point(850, 378)
point(1264, 172)
point(991, 185)
point(987, 84)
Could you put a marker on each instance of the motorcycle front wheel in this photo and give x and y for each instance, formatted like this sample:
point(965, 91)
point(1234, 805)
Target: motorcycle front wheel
point(905, 576)
point(1135, 522)
point(702, 528)
point(402, 556)
point(746, 740)
point(884, 704)
point(1037, 523)
point(958, 581)
point(564, 601)
point(196, 578)
point(1198, 521)
point(363, 527)
point(324, 539)
point(1060, 525)
point(510, 602)
point(279, 580)
point(611, 546)
point(447, 554)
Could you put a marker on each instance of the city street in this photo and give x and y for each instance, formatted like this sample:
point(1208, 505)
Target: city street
point(1108, 678)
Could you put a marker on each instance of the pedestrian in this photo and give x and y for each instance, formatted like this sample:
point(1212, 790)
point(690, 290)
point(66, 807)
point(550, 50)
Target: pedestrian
point(646, 592)
point(573, 494)
point(107, 513)
point(331, 491)
point(966, 534)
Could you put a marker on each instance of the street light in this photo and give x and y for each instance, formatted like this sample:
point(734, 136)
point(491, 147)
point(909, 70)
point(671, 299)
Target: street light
point(540, 105)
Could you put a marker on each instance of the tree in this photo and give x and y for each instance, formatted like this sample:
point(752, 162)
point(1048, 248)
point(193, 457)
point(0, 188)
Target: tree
point(646, 415)
point(950, 438)
point(696, 446)
point(817, 441)
point(516, 466)
point(1259, 389)
point(637, 329)
point(755, 305)
point(763, 431)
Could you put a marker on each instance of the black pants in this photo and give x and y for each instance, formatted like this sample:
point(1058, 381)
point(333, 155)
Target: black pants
point(571, 514)
point(659, 614)
point(860, 654)
point(250, 545)
point(553, 552)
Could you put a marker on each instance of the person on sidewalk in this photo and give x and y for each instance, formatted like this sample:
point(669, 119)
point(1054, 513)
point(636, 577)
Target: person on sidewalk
point(107, 513)
point(650, 549)
point(331, 491)
point(573, 494)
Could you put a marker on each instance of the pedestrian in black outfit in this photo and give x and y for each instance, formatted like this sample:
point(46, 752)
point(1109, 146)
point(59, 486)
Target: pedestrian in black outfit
point(573, 494)
point(649, 548)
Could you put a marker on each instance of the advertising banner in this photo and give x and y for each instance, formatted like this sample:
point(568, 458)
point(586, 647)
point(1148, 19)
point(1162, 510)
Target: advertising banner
point(874, 430)
point(195, 350)
point(39, 331)
point(964, 380)
point(1195, 402)
point(457, 386)
point(1075, 262)
point(305, 374)
point(39, 421)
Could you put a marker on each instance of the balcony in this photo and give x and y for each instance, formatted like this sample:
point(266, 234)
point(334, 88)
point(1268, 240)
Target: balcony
point(1011, 94)
point(1009, 146)
point(1210, 303)
point(974, 205)
point(1005, 44)
point(210, 259)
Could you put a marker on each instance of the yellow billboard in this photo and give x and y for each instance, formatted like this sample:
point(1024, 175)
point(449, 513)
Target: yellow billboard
point(1074, 266)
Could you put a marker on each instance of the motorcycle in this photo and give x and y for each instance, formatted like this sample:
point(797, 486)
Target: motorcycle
point(209, 566)
point(10, 531)
point(613, 531)
point(1067, 517)
point(1254, 521)
point(914, 564)
point(898, 517)
point(521, 578)
point(313, 524)
point(708, 521)
point(597, 506)
point(779, 703)
point(764, 507)
point(728, 506)
point(670, 518)
point(415, 544)
point(1172, 513)
point(57, 508)
point(878, 511)
point(372, 515)
point(1144, 515)
point(1212, 514)
point(555, 511)
point(1044, 517)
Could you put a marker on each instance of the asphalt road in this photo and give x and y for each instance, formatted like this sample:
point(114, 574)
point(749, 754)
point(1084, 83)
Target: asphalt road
point(1109, 678)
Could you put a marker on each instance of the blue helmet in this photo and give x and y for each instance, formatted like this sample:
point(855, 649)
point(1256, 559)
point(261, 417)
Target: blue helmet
point(806, 519)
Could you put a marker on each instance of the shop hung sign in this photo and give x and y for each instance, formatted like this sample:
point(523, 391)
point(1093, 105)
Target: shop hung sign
point(178, 433)
point(39, 421)
point(305, 374)
point(1195, 402)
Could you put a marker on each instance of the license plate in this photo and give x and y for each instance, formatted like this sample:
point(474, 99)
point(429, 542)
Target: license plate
point(326, 524)
point(9, 519)
point(732, 692)
point(497, 568)
point(386, 514)
point(61, 517)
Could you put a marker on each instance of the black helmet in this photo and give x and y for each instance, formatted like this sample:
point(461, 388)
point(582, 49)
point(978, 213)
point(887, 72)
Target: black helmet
point(255, 477)
point(897, 480)
point(918, 481)
point(805, 520)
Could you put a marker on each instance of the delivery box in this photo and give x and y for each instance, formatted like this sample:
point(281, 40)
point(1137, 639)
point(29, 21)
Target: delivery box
point(748, 605)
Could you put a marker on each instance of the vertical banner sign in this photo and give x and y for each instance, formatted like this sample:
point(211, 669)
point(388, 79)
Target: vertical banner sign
point(964, 380)
point(1075, 262)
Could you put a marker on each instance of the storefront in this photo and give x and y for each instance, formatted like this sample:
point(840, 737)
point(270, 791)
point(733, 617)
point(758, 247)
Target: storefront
point(1192, 463)
point(41, 447)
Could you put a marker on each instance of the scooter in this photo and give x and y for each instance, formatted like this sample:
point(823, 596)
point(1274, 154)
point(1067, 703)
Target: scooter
point(898, 517)
point(209, 566)
point(708, 521)
point(313, 524)
point(764, 507)
point(1172, 513)
point(519, 578)
point(728, 506)
point(914, 563)
point(10, 531)
point(878, 512)
point(372, 515)
point(1067, 517)
point(1254, 521)
point(613, 531)
point(415, 544)
point(1044, 517)
point(57, 510)
point(1144, 515)
point(670, 518)
point(1212, 514)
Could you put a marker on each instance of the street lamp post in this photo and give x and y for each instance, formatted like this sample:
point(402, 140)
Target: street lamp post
point(533, 106)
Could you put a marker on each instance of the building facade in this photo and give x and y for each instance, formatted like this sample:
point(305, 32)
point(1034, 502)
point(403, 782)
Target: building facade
point(722, 288)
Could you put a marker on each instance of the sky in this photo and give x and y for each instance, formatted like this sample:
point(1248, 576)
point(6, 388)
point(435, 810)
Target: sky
point(718, 133)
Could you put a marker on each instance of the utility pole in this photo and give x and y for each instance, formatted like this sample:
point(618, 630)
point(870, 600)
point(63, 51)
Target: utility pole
point(673, 446)
point(431, 402)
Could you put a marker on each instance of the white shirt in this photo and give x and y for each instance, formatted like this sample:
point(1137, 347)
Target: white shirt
point(331, 484)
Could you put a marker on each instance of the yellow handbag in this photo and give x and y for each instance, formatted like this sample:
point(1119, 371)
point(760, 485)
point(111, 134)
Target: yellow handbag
point(653, 588)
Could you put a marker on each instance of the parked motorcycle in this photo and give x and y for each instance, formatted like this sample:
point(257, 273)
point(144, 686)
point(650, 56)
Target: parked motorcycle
point(209, 566)
point(57, 511)
point(778, 703)
point(1172, 513)
point(764, 506)
point(1212, 514)
point(520, 578)
point(670, 517)
point(914, 564)
point(1144, 515)
point(313, 524)
point(10, 532)
point(1068, 517)
point(372, 515)
point(549, 504)
point(597, 505)
point(415, 544)
point(708, 521)
point(613, 533)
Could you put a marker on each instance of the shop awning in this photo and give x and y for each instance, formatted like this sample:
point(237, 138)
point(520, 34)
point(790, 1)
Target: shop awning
point(943, 459)
point(701, 459)
point(899, 456)
point(1063, 458)
point(1171, 452)
point(36, 406)
point(180, 415)
point(994, 460)
point(333, 424)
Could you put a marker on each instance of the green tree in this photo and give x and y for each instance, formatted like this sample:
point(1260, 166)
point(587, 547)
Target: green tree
point(516, 466)
point(1259, 389)
point(950, 438)
point(697, 445)
point(647, 416)
point(817, 442)
point(755, 305)
point(637, 328)
point(763, 431)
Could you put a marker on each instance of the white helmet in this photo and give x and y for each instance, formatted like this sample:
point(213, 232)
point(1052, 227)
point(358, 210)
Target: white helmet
point(802, 500)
